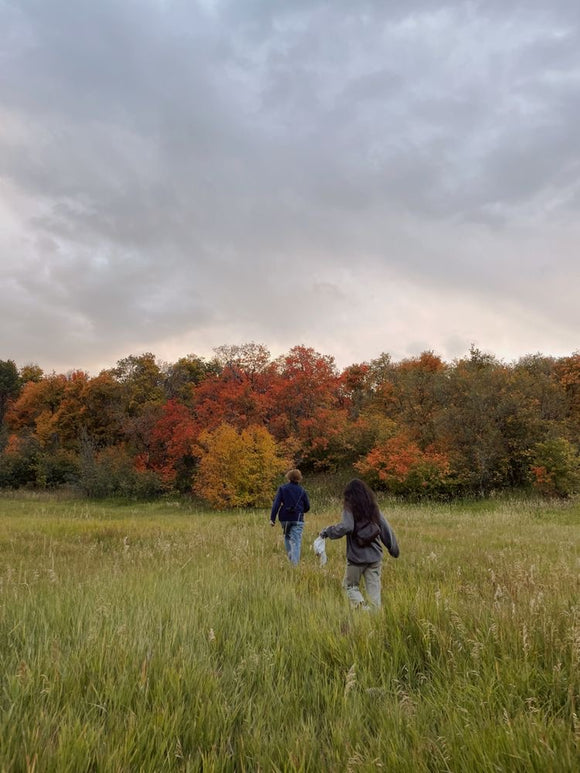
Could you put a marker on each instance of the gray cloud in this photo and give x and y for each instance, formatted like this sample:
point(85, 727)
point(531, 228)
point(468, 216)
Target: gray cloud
point(177, 175)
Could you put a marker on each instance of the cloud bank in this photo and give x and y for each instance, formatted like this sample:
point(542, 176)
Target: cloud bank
point(359, 177)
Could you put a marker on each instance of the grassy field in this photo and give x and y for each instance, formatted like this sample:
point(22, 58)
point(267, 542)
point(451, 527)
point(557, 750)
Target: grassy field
point(156, 637)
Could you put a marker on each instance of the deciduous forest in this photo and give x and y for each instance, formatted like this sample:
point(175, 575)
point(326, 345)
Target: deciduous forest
point(225, 428)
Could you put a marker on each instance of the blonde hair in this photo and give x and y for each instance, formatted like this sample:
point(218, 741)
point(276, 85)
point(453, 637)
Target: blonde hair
point(294, 476)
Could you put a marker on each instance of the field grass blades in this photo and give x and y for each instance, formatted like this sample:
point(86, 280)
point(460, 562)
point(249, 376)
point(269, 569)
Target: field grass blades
point(154, 637)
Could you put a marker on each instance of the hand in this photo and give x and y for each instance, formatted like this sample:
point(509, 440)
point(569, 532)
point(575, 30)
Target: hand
point(323, 534)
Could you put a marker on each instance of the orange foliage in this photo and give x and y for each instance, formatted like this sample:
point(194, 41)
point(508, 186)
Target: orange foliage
point(13, 445)
point(399, 465)
point(542, 480)
point(396, 419)
point(427, 362)
point(568, 374)
point(35, 398)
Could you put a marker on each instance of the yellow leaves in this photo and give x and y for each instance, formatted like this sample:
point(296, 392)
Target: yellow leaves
point(237, 469)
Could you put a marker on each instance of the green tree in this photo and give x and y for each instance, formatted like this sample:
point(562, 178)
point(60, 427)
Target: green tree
point(556, 468)
point(9, 385)
point(111, 472)
point(31, 372)
point(181, 377)
point(142, 382)
point(470, 427)
point(19, 462)
point(417, 396)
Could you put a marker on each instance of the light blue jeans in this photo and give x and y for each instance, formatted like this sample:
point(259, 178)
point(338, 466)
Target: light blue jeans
point(293, 539)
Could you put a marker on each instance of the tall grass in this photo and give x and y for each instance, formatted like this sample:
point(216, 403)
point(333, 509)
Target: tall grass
point(154, 637)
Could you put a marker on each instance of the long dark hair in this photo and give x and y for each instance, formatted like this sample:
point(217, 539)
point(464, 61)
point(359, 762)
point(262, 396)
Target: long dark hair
point(361, 501)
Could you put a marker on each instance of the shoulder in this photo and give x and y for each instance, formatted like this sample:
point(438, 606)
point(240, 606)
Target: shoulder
point(347, 517)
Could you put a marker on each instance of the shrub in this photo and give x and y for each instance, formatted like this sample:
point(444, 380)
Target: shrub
point(19, 461)
point(60, 468)
point(112, 473)
point(556, 468)
point(237, 469)
point(399, 466)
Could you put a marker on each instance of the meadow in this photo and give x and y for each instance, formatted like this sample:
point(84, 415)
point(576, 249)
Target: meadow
point(154, 637)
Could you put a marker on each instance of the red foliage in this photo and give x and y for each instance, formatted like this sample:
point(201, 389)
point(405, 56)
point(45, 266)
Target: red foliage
point(233, 397)
point(172, 440)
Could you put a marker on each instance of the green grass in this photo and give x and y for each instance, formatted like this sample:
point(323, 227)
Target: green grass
point(158, 637)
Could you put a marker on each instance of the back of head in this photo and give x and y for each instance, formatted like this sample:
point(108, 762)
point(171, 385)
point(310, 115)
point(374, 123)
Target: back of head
point(294, 476)
point(361, 501)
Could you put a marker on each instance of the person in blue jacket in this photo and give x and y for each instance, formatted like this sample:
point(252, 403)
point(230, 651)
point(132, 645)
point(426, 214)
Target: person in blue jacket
point(290, 504)
point(366, 530)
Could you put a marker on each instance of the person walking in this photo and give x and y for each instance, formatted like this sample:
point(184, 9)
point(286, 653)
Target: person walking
point(366, 530)
point(290, 504)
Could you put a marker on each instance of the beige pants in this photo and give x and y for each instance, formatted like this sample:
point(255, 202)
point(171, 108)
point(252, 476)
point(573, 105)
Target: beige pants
point(372, 578)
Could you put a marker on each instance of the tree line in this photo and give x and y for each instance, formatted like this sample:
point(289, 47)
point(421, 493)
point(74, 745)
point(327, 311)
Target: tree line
point(224, 428)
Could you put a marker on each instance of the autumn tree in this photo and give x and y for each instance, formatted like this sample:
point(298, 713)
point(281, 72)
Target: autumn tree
point(567, 371)
point(417, 396)
point(417, 425)
point(70, 415)
point(304, 398)
point(240, 393)
point(237, 469)
point(36, 408)
point(172, 447)
point(46, 420)
point(374, 418)
point(103, 415)
point(389, 398)
point(400, 466)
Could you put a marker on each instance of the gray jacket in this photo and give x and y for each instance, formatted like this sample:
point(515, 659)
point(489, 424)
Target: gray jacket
point(359, 555)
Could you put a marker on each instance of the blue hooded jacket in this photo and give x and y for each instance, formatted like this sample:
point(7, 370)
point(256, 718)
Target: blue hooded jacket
point(290, 503)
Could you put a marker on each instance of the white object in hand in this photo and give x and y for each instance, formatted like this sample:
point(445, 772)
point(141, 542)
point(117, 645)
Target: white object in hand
point(319, 547)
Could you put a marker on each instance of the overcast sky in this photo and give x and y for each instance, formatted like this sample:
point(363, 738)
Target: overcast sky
point(356, 176)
